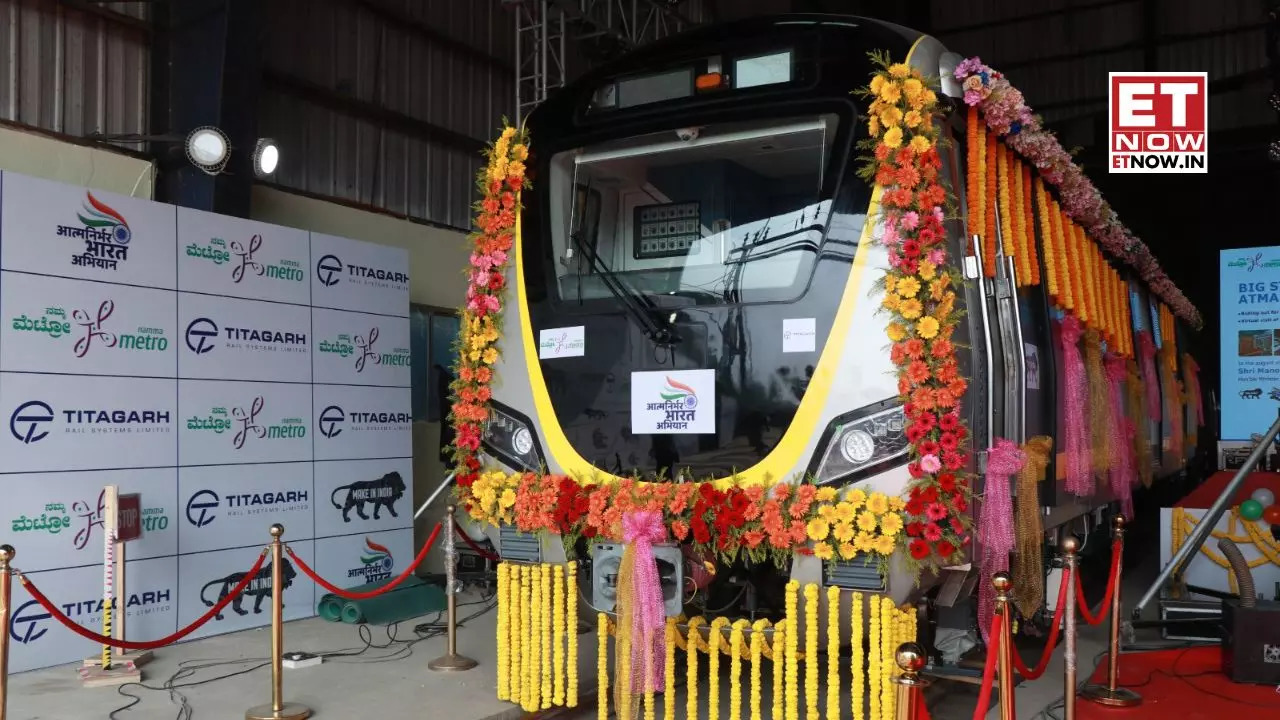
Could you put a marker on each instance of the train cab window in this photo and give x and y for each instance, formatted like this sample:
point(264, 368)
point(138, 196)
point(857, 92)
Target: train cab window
point(720, 213)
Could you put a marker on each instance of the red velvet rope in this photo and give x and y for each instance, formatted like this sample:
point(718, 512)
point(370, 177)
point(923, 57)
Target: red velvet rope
point(475, 546)
point(1053, 633)
point(989, 670)
point(422, 554)
point(153, 644)
point(1117, 548)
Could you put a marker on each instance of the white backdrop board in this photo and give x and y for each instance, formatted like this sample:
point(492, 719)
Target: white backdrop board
point(177, 354)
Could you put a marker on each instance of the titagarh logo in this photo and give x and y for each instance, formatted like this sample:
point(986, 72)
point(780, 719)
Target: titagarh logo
point(32, 421)
point(329, 270)
point(246, 424)
point(100, 216)
point(1253, 262)
point(375, 563)
point(675, 391)
point(30, 622)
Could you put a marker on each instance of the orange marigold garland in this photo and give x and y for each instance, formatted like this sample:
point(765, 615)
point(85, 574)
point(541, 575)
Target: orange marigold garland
point(1033, 260)
point(989, 208)
point(500, 183)
point(1019, 220)
point(920, 287)
point(975, 147)
point(1007, 231)
point(1046, 240)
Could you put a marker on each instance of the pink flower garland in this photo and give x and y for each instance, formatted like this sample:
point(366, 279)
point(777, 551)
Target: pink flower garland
point(1005, 111)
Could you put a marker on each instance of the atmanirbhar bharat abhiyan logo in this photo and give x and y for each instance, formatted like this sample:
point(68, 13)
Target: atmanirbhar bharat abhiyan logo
point(105, 232)
point(679, 403)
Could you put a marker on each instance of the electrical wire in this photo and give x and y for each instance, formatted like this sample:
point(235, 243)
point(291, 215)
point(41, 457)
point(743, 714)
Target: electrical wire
point(403, 648)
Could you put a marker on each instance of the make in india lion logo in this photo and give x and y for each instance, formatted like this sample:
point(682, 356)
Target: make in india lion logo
point(105, 232)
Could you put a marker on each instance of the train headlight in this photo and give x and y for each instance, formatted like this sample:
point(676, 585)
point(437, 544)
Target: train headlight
point(509, 436)
point(861, 443)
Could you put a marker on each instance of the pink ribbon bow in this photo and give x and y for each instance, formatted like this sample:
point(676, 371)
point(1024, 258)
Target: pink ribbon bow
point(641, 529)
point(995, 523)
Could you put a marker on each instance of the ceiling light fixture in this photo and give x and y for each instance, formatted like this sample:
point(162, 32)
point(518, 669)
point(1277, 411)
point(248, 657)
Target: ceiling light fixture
point(208, 149)
point(266, 156)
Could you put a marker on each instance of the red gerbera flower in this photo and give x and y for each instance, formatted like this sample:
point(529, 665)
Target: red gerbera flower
point(919, 549)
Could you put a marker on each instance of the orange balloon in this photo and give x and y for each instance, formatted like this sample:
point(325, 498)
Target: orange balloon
point(1272, 514)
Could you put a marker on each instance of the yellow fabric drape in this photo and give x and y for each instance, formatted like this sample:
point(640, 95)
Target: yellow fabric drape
point(1028, 562)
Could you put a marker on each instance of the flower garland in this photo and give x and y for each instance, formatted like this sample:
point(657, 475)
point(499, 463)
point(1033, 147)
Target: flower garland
point(504, 633)
point(920, 294)
point(1007, 114)
point(792, 693)
point(833, 653)
point(811, 651)
point(735, 669)
point(873, 657)
point(602, 667)
point(500, 184)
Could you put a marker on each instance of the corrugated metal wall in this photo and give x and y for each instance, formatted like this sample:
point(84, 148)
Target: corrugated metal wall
point(73, 71)
point(379, 102)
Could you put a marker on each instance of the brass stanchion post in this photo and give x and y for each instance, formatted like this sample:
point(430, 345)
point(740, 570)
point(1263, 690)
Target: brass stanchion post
point(6, 600)
point(451, 661)
point(910, 686)
point(1069, 547)
point(278, 709)
point(1110, 694)
point(1004, 644)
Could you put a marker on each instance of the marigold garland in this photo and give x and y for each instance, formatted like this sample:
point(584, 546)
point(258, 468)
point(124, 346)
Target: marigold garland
point(858, 683)
point(713, 665)
point(571, 613)
point(886, 658)
point(1006, 113)
point(528, 666)
point(757, 659)
point(990, 212)
point(519, 615)
point(735, 669)
point(558, 615)
point(920, 295)
point(504, 634)
point(669, 671)
point(792, 699)
point(873, 657)
point(691, 681)
point(1047, 240)
point(602, 667)
point(1017, 200)
point(833, 654)
point(1005, 205)
point(1033, 257)
point(975, 149)
point(777, 706)
point(811, 624)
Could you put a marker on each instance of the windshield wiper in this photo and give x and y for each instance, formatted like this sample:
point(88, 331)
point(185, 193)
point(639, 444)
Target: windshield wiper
point(640, 308)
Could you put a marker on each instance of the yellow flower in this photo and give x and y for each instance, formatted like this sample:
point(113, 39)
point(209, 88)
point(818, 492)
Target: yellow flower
point(891, 301)
point(848, 551)
point(508, 498)
point(920, 143)
point(890, 92)
point(893, 137)
point(490, 356)
point(890, 523)
point(929, 97)
point(899, 70)
point(896, 503)
point(890, 117)
point(864, 542)
point(866, 521)
point(908, 287)
point(823, 551)
point(896, 333)
point(910, 309)
point(843, 532)
point(884, 544)
point(827, 512)
point(520, 152)
point(826, 494)
point(856, 497)
point(846, 511)
point(946, 305)
point(878, 502)
point(508, 132)
point(873, 125)
point(912, 87)
point(488, 497)
point(913, 119)
point(927, 328)
point(818, 529)
point(890, 283)
point(877, 82)
point(927, 270)
point(515, 169)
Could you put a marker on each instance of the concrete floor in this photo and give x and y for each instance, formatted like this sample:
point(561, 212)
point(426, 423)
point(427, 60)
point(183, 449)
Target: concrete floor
point(394, 682)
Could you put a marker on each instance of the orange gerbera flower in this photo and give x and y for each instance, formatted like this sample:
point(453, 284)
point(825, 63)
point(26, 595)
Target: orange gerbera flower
point(918, 371)
point(922, 398)
point(915, 348)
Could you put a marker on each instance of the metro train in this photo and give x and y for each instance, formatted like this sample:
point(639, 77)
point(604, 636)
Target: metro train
point(695, 205)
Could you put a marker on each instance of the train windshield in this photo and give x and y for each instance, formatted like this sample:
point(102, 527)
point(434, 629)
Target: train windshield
point(717, 214)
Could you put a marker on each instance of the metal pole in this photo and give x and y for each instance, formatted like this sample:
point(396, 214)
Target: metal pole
point(1209, 521)
point(6, 600)
point(1069, 547)
point(423, 507)
point(1004, 644)
point(1110, 694)
point(452, 661)
point(278, 709)
point(911, 658)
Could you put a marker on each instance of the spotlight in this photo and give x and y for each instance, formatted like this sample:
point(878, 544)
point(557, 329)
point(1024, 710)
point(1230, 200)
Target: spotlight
point(208, 149)
point(265, 157)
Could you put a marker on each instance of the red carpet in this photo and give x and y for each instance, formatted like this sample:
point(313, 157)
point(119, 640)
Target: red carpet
point(1186, 684)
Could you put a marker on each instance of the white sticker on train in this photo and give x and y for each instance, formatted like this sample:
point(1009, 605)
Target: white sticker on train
point(673, 402)
point(1033, 366)
point(561, 342)
point(799, 335)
